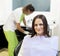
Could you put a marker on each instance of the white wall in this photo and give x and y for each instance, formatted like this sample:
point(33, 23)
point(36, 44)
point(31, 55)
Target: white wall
point(5, 9)
point(56, 15)
point(55, 9)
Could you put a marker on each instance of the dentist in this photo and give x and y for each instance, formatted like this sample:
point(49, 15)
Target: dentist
point(13, 23)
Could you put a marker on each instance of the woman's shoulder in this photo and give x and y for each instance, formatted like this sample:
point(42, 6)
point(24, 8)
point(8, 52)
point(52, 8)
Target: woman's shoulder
point(27, 36)
point(54, 37)
point(26, 39)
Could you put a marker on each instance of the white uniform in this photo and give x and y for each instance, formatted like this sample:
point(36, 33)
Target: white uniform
point(39, 46)
point(13, 18)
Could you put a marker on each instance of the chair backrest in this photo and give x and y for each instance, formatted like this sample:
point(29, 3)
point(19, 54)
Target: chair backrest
point(16, 50)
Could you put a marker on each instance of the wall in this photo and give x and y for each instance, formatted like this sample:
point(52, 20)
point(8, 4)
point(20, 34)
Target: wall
point(39, 5)
point(56, 16)
point(16, 3)
point(5, 10)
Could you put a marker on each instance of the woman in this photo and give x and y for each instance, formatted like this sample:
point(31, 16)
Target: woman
point(13, 23)
point(40, 43)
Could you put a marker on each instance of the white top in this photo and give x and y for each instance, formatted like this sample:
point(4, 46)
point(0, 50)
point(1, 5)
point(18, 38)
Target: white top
point(39, 46)
point(13, 18)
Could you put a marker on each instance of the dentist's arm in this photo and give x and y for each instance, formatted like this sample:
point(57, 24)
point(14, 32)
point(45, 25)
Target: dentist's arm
point(21, 29)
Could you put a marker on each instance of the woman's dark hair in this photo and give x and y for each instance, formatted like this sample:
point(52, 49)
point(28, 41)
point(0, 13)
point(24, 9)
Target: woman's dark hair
point(45, 24)
point(30, 7)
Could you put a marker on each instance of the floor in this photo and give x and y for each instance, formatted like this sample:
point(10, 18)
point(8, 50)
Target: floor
point(4, 52)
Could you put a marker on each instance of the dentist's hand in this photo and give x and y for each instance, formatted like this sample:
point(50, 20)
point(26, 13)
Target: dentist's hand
point(26, 32)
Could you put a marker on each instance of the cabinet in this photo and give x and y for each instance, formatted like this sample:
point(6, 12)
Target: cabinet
point(3, 41)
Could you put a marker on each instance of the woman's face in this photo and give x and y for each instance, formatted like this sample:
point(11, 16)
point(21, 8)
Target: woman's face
point(38, 26)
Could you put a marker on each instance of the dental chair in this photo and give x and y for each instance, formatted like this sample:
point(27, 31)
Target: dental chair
point(17, 48)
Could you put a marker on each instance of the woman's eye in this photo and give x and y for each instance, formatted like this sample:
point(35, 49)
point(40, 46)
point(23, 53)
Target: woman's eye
point(41, 24)
point(38, 25)
point(35, 25)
